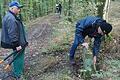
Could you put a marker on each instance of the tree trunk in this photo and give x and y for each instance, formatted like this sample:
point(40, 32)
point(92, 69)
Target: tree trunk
point(70, 11)
point(106, 10)
point(0, 17)
point(34, 9)
point(100, 6)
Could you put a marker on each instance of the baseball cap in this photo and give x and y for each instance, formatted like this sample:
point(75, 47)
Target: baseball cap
point(15, 3)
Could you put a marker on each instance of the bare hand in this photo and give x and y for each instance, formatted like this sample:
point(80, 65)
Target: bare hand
point(85, 45)
point(18, 48)
point(94, 60)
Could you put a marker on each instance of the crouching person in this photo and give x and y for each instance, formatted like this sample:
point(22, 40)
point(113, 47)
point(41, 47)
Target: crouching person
point(93, 27)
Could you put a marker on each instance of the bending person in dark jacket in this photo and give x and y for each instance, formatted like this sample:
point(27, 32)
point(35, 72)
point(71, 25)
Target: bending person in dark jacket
point(93, 27)
point(13, 36)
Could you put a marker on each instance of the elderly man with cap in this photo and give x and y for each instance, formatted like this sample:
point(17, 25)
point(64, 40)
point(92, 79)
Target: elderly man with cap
point(13, 36)
point(93, 27)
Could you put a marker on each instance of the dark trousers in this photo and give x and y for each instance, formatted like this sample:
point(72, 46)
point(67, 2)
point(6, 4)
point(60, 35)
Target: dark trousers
point(74, 46)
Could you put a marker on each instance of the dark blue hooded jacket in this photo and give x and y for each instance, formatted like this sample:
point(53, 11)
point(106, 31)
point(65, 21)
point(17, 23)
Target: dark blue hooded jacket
point(88, 27)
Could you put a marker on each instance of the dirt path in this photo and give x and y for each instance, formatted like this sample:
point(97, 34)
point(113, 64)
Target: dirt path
point(43, 66)
point(39, 34)
point(47, 66)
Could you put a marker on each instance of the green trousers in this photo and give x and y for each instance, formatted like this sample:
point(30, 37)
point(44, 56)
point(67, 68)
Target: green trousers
point(18, 64)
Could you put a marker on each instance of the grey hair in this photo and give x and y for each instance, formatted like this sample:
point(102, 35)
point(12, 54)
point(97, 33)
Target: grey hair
point(10, 8)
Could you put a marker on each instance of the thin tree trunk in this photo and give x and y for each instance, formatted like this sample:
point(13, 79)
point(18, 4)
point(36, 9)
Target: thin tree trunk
point(47, 4)
point(34, 9)
point(39, 8)
point(70, 11)
point(0, 16)
point(106, 10)
point(100, 7)
point(43, 8)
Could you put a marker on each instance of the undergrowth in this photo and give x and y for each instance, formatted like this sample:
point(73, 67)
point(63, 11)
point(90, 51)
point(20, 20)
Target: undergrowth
point(61, 37)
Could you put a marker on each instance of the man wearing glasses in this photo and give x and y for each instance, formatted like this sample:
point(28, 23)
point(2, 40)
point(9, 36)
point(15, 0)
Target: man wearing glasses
point(93, 27)
point(13, 36)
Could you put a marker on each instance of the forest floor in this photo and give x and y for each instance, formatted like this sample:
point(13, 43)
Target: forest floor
point(42, 63)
